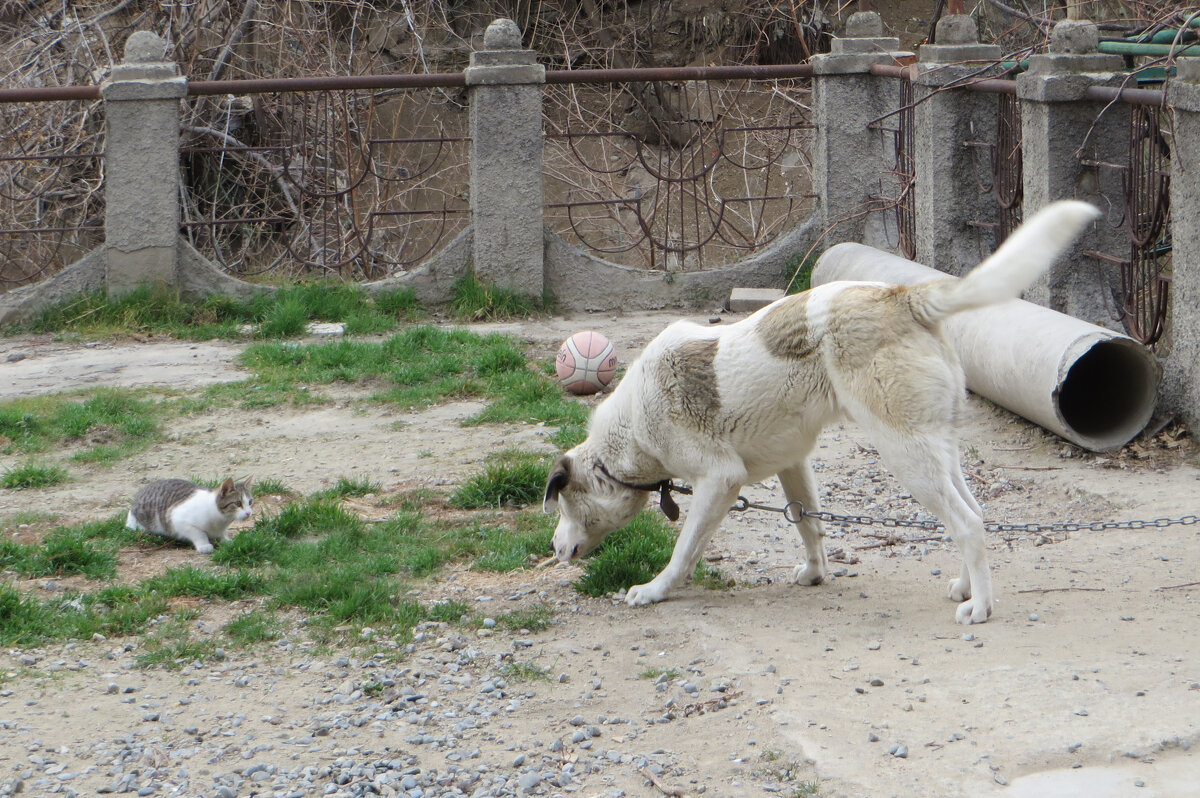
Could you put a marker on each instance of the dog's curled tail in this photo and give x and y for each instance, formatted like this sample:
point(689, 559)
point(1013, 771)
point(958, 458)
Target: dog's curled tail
point(1020, 260)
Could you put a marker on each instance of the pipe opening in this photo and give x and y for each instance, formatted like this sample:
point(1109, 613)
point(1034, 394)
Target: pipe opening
point(1108, 394)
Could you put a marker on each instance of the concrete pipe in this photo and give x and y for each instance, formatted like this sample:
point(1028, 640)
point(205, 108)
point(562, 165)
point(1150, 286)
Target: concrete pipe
point(1092, 386)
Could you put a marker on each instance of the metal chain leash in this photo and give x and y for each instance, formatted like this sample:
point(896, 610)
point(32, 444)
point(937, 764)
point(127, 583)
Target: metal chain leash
point(794, 511)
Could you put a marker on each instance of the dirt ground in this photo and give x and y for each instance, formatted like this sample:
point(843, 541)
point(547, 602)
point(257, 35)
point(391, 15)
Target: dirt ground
point(1085, 682)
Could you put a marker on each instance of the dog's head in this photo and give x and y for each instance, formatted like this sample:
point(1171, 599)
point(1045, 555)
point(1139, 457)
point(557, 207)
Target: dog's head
point(590, 505)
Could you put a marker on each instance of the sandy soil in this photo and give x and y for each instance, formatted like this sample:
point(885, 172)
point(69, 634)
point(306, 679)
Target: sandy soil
point(1085, 682)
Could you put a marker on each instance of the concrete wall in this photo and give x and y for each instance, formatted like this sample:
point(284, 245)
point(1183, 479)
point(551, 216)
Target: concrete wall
point(1181, 361)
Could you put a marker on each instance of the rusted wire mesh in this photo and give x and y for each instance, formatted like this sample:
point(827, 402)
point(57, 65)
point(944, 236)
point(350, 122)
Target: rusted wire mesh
point(677, 175)
point(906, 171)
point(355, 183)
point(1145, 277)
point(1005, 170)
point(51, 197)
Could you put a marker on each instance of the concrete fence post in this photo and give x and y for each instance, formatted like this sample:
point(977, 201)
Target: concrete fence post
point(142, 245)
point(949, 171)
point(141, 161)
point(1060, 129)
point(1181, 366)
point(850, 158)
point(505, 85)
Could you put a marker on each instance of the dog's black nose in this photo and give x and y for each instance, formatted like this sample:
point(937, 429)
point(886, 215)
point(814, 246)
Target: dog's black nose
point(575, 551)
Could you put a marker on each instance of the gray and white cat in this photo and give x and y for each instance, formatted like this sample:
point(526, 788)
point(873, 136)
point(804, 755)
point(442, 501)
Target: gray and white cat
point(178, 509)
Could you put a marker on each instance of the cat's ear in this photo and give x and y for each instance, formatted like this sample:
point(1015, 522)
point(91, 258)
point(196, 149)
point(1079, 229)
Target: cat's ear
point(227, 485)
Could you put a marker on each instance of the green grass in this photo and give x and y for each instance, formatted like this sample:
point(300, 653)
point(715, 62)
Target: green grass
point(122, 420)
point(346, 486)
point(416, 367)
point(533, 619)
point(272, 487)
point(475, 301)
point(271, 314)
point(635, 555)
point(654, 674)
point(797, 271)
point(514, 478)
point(33, 475)
point(312, 556)
point(253, 628)
point(525, 672)
point(31, 517)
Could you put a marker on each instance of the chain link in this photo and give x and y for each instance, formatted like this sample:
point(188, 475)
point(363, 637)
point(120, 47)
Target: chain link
point(794, 511)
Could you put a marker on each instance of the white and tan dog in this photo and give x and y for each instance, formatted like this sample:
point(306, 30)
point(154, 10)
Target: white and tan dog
point(721, 407)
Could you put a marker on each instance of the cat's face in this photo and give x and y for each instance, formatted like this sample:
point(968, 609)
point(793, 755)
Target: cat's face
point(234, 498)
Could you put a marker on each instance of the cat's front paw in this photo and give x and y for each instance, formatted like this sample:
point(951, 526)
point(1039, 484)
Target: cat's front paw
point(204, 548)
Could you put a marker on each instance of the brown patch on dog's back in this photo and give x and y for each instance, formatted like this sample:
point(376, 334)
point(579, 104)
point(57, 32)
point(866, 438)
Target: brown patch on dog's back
point(688, 378)
point(899, 367)
point(784, 329)
point(864, 319)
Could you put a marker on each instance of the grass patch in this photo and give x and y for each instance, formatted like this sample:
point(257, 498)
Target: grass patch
point(272, 314)
point(272, 487)
point(711, 578)
point(254, 628)
point(119, 421)
point(797, 272)
point(507, 549)
point(534, 619)
point(654, 674)
point(33, 475)
point(633, 556)
point(475, 301)
point(172, 644)
point(311, 556)
point(31, 517)
point(514, 478)
point(416, 367)
point(525, 672)
point(346, 487)
point(88, 549)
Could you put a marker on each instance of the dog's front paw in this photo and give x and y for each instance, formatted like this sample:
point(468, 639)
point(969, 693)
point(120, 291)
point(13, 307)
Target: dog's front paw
point(973, 611)
point(807, 575)
point(960, 589)
point(649, 593)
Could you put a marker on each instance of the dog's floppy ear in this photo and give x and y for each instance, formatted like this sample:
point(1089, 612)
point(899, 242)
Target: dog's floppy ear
point(560, 475)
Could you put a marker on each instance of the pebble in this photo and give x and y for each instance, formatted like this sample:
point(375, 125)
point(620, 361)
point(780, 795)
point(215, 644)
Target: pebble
point(422, 730)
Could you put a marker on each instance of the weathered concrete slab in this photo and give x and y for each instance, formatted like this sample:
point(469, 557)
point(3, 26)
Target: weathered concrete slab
point(746, 300)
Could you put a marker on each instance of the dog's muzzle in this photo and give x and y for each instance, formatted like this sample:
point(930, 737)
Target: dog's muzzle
point(566, 555)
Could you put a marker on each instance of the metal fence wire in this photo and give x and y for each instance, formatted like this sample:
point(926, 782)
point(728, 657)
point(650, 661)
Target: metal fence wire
point(51, 187)
point(1146, 279)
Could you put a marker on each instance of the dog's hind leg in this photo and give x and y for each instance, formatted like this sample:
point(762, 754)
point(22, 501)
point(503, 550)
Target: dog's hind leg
point(799, 485)
point(711, 503)
point(960, 589)
point(927, 465)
